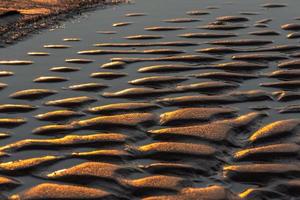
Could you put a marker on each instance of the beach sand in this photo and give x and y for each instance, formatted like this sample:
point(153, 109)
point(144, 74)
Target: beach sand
point(19, 18)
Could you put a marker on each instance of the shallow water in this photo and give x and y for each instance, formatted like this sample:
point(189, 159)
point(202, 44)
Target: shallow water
point(85, 27)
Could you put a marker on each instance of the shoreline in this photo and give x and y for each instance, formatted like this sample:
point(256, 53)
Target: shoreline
point(19, 20)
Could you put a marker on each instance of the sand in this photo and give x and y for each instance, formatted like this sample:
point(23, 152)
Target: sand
point(20, 18)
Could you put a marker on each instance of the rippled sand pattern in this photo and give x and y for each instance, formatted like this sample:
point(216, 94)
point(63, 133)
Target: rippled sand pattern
point(157, 100)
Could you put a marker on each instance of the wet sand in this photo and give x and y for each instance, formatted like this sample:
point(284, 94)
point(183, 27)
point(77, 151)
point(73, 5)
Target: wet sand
point(196, 100)
point(19, 18)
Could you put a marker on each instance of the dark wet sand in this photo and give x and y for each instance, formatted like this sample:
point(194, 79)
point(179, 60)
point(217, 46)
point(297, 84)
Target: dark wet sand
point(196, 100)
point(19, 18)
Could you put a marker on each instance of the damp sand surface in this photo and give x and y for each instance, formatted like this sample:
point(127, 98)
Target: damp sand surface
point(20, 18)
point(117, 104)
